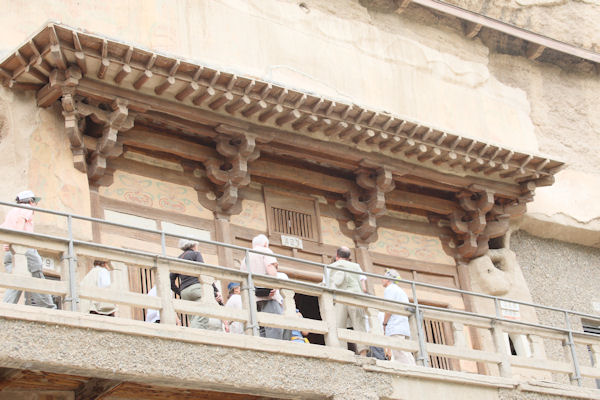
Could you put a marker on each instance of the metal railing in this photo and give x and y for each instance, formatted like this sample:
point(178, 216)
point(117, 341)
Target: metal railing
point(496, 324)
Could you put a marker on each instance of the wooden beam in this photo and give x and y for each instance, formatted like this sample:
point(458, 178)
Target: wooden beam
point(151, 140)
point(126, 68)
point(139, 101)
point(421, 202)
point(534, 50)
point(7, 375)
point(511, 30)
point(95, 388)
point(471, 29)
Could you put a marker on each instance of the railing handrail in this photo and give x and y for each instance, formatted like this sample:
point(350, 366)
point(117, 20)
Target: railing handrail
point(252, 322)
point(244, 249)
point(243, 274)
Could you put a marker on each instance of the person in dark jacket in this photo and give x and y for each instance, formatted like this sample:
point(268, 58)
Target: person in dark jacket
point(189, 286)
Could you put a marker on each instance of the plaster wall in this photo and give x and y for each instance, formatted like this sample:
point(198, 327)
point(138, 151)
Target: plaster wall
point(37, 156)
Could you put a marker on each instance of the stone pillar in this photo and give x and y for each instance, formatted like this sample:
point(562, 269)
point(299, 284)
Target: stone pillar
point(163, 290)
point(328, 315)
point(19, 263)
point(208, 299)
point(289, 304)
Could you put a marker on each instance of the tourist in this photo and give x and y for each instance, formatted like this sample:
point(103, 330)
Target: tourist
point(189, 286)
point(21, 219)
point(264, 265)
point(297, 335)
point(152, 315)
point(394, 324)
point(98, 277)
point(351, 281)
point(234, 301)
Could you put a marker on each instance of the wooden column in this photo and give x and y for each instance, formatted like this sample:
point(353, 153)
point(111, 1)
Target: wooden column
point(363, 258)
point(223, 234)
point(465, 284)
point(97, 212)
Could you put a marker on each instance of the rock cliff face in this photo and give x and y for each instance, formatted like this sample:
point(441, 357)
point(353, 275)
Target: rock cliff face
point(417, 64)
point(571, 21)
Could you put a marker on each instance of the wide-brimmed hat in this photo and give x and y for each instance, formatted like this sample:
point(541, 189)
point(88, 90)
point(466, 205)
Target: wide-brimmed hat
point(26, 196)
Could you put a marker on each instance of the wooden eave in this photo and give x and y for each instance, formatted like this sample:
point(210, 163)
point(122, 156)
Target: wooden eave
point(181, 89)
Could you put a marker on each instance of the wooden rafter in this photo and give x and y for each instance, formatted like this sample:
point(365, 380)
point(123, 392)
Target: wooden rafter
point(96, 388)
point(268, 105)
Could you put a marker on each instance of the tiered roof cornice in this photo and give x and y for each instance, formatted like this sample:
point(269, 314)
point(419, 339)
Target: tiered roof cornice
point(263, 105)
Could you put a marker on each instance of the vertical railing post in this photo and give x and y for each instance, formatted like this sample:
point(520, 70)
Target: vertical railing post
point(458, 334)
point(163, 291)
point(251, 298)
point(500, 344)
point(163, 242)
point(327, 309)
point(423, 358)
point(73, 295)
point(571, 343)
point(326, 278)
point(497, 307)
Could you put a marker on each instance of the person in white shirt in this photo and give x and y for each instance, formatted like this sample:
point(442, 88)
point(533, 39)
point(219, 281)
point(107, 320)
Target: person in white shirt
point(394, 324)
point(98, 277)
point(153, 315)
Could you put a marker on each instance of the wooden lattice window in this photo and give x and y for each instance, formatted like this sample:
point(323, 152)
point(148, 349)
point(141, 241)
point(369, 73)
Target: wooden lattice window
point(289, 222)
point(435, 333)
point(292, 214)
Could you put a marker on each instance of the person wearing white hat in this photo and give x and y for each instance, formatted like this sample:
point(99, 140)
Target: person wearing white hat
point(21, 219)
point(395, 324)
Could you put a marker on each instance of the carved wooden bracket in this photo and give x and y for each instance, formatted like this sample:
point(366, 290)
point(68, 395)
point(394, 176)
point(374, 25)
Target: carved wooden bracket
point(238, 147)
point(112, 121)
point(367, 201)
point(480, 219)
point(58, 83)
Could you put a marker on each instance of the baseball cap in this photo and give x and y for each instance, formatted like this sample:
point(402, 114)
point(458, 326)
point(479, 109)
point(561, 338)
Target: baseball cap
point(232, 285)
point(392, 274)
point(27, 194)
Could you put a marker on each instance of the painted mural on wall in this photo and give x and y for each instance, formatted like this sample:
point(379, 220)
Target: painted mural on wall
point(410, 245)
point(154, 193)
point(52, 175)
point(252, 216)
point(332, 234)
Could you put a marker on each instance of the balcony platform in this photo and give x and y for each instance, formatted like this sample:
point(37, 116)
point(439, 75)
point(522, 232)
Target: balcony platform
point(57, 354)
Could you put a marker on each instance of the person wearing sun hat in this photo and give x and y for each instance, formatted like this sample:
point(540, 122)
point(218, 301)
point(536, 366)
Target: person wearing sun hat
point(394, 324)
point(21, 219)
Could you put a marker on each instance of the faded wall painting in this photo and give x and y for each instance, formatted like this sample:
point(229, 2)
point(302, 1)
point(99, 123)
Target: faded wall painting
point(157, 194)
point(252, 216)
point(332, 234)
point(410, 245)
